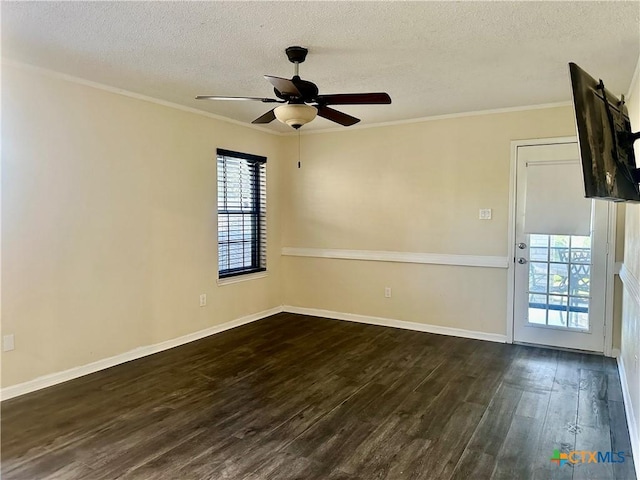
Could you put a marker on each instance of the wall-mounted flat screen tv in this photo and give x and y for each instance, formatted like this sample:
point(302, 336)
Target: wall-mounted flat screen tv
point(605, 140)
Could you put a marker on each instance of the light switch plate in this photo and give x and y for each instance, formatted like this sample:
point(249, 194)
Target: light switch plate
point(485, 214)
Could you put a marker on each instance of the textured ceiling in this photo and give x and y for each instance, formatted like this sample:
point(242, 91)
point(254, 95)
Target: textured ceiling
point(433, 58)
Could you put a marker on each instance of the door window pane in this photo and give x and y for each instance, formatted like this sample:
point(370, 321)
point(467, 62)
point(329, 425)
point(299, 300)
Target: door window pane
point(559, 278)
point(581, 255)
point(538, 309)
point(539, 240)
point(559, 254)
point(559, 248)
point(579, 313)
point(580, 280)
point(559, 281)
point(539, 254)
point(558, 310)
point(538, 277)
point(560, 241)
point(581, 242)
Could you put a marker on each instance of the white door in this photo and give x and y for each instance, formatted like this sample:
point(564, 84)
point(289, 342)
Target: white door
point(560, 253)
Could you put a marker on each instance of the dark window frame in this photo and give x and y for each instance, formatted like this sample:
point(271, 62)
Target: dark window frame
point(257, 240)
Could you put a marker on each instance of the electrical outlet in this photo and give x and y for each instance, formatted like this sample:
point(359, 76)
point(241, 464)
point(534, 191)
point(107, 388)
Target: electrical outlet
point(8, 343)
point(485, 214)
point(203, 299)
point(387, 292)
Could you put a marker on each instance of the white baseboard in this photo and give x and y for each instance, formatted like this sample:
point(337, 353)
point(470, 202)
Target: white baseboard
point(615, 353)
point(389, 322)
point(59, 377)
point(634, 435)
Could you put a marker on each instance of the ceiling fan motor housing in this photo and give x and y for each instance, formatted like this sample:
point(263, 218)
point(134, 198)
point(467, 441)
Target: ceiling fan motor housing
point(296, 54)
point(308, 91)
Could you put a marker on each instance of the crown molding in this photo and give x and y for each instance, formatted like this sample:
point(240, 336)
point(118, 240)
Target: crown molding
point(126, 93)
point(120, 91)
point(448, 116)
point(635, 79)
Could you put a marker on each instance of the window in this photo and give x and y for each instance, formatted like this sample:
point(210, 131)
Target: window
point(559, 281)
point(241, 213)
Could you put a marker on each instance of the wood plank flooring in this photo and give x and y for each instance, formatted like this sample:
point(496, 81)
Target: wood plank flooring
point(295, 397)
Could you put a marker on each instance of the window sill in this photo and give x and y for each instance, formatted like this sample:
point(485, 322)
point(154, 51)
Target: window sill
point(241, 278)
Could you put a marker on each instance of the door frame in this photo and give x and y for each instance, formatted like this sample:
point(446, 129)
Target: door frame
point(611, 243)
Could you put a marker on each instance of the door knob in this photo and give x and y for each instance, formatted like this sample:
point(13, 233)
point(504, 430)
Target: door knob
point(522, 261)
point(522, 246)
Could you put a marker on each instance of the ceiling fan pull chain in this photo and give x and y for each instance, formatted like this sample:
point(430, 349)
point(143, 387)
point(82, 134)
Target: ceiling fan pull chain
point(299, 161)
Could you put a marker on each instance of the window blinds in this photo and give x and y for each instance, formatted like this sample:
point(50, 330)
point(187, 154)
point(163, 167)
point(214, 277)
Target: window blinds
point(241, 213)
point(554, 200)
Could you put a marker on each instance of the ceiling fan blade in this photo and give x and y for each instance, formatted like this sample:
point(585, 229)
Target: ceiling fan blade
point(219, 97)
point(336, 116)
point(380, 98)
point(266, 118)
point(284, 85)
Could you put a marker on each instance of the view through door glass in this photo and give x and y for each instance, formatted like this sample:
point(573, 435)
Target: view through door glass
point(559, 281)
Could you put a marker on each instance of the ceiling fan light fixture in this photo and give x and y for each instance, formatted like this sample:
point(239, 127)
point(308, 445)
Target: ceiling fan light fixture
point(295, 114)
point(299, 96)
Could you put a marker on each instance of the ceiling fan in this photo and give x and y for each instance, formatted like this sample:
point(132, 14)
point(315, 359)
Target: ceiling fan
point(301, 101)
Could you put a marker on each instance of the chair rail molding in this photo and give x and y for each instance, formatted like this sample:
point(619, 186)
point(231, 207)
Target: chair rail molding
point(631, 283)
point(486, 261)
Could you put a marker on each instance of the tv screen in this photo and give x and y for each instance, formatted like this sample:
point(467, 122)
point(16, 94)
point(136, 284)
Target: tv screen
point(605, 140)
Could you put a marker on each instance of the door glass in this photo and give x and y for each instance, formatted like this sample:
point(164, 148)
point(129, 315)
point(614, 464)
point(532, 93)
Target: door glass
point(559, 274)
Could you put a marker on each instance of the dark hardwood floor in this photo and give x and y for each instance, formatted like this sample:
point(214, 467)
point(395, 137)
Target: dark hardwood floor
point(294, 397)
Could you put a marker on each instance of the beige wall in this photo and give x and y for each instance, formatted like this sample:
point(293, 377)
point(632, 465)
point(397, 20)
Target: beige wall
point(109, 235)
point(108, 224)
point(407, 188)
point(630, 350)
